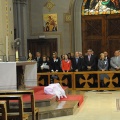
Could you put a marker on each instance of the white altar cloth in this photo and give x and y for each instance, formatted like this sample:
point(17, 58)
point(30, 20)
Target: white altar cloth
point(8, 76)
point(30, 72)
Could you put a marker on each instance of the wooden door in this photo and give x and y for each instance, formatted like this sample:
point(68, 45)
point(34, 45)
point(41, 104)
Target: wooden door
point(92, 32)
point(101, 33)
point(113, 33)
point(45, 46)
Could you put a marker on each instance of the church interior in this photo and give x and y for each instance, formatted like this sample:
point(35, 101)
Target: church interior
point(59, 59)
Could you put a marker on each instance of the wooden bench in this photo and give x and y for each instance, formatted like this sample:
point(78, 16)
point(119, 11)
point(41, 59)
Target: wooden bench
point(18, 114)
point(4, 110)
point(31, 109)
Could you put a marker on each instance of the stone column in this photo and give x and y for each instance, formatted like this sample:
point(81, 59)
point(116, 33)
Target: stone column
point(20, 24)
point(6, 29)
point(77, 25)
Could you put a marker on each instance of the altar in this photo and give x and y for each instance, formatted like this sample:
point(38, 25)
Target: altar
point(17, 75)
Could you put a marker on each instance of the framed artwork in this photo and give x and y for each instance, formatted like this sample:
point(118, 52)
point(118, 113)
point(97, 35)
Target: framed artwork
point(97, 7)
point(50, 22)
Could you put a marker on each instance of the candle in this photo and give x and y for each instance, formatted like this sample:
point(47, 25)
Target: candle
point(17, 54)
point(6, 48)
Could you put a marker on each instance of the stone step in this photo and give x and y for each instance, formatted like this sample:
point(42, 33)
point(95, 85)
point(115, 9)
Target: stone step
point(62, 108)
point(44, 100)
point(41, 99)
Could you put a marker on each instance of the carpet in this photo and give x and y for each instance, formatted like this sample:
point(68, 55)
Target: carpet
point(41, 96)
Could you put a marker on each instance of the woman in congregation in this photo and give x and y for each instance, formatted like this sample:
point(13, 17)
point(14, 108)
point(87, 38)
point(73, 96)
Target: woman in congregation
point(66, 67)
point(102, 66)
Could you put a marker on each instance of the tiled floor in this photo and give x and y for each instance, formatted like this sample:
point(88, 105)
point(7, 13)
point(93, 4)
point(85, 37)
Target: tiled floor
point(96, 106)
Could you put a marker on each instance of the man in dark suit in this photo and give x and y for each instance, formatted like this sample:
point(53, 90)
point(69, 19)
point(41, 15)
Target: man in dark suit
point(89, 61)
point(77, 63)
point(90, 65)
point(38, 58)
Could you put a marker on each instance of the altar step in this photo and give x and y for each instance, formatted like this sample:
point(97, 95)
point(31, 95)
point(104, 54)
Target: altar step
point(49, 106)
point(41, 99)
point(58, 109)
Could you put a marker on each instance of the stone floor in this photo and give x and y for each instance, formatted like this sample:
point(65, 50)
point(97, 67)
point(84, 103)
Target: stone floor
point(96, 106)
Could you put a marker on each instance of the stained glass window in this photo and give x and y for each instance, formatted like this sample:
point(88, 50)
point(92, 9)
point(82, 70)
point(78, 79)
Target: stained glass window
point(96, 7)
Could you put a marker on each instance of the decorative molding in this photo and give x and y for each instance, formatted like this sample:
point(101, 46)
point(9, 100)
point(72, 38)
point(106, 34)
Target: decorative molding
point(71, 6)
point(20, 1)
point(49, 5)
point(67, 17)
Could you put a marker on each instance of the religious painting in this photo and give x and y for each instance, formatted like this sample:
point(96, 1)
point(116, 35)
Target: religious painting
point(50, 22)
point(96, 7)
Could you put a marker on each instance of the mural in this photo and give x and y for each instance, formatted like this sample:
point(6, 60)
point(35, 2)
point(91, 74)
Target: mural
point(50, 22)
point(96, 7)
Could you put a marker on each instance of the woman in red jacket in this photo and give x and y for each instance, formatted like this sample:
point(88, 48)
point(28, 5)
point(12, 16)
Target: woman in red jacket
point(66, 64)
point(66, 67)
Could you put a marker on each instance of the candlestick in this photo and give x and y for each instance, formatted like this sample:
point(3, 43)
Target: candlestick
point(6, 48)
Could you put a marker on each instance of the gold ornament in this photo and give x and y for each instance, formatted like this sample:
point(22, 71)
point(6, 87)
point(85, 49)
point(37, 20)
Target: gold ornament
point(49, 5)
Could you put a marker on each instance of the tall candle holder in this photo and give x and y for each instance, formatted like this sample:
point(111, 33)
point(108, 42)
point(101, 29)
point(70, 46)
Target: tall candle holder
point(17, 59)
point(17, 55)
point(6, 48)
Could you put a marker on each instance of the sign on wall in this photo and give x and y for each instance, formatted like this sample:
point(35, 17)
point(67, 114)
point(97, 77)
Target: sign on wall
point(50, 22)
point(96, 7)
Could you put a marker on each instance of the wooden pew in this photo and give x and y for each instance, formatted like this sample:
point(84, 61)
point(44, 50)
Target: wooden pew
point(32, 109)
point(18, 114)
point(3, 110)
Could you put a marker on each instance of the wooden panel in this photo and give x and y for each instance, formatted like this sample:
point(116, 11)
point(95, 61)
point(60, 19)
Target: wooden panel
point(93, 27)
point(101, 33)
point(45, 46)
point(113, 33)
point(113, 27)
point(113, 44)
point(93, 34)
point(94, 45)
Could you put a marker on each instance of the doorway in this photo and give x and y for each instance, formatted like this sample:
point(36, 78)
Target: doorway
point(44, 46)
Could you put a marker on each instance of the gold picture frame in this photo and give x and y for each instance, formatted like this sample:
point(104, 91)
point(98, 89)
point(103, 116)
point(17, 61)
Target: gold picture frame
point(50, 23)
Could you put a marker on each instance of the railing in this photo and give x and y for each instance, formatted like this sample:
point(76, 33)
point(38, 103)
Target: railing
point(85, 80)
point(60, 77)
